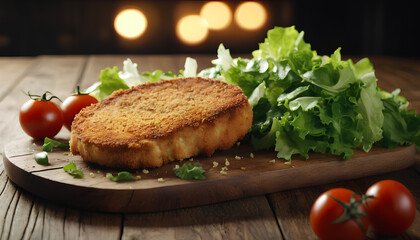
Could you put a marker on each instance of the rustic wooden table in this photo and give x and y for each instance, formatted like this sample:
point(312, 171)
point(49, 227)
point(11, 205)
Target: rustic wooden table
point(282, 215)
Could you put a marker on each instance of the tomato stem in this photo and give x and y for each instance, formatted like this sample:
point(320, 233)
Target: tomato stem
point(42, 97)
point(351, 211)
point(78, 92)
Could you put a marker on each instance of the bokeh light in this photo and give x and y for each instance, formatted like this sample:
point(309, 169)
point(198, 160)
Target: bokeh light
point(130, 23)
point(192, 29)
point(217, 14)
point(250, 15)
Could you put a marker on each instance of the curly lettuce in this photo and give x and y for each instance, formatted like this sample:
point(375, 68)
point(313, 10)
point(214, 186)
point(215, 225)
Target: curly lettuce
point(304, 102)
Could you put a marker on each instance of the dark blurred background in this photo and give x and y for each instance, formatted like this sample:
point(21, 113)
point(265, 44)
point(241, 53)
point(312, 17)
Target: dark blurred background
point(376, 27)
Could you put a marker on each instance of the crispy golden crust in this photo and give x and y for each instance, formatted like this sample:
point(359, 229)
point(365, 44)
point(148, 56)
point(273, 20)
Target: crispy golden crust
point(154, 123)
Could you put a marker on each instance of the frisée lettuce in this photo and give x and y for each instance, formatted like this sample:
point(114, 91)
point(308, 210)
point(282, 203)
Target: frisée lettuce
point(305, 102)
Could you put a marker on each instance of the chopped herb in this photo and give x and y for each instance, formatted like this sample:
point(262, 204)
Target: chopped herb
point(238, 157)
point(41, 158)
point(145, 171)
point(72, 170)
point(49, 144)
point(227, 163)
point(122, 176)
point(215, 164)
point(189, 171)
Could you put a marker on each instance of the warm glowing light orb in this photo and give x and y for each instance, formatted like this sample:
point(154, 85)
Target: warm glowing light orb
point(217, 14)
point(192, 29)
point(130, 23)
point(250, 15)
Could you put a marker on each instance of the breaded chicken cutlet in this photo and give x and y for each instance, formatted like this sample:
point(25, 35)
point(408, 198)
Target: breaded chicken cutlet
point(155, 123)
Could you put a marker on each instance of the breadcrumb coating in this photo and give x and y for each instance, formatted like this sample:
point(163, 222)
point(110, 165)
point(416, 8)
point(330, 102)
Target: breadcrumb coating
point(154, 123)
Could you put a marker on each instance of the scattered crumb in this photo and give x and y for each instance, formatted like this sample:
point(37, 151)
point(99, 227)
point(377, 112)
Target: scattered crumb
point(251, 155)
point(243, 168)
point(215, 164)
point(238, 158)
point(223, 172)
point(238, 144)
point(91, 174)
point(227, 163)
point(138, 177)
point(176, 166)
point(161, 180)
point(145, 171)
point(225, 168)
point(272, 161)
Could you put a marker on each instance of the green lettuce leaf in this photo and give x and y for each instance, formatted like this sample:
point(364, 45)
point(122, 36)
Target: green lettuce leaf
point(109, 82)
point(401, 126)
point(49, 144)
point(189, 171)
point(72, 170)
point(304, 102)
point(122, 176)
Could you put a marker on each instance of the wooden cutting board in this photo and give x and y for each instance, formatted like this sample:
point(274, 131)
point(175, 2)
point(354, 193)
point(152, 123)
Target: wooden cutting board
point(246, 176)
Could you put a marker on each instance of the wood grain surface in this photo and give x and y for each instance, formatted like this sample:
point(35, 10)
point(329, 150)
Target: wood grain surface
point(246, 176)
point(280, 215)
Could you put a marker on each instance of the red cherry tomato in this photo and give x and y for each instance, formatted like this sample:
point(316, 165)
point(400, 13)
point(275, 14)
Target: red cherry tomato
point(392, 208)
point(73, 104)
point(326, 210)
point(40, 118)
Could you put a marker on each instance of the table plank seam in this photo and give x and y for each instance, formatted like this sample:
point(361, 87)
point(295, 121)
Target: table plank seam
point(45, 170)
point(122, 226)
point(270, 203)
point(19, 155)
